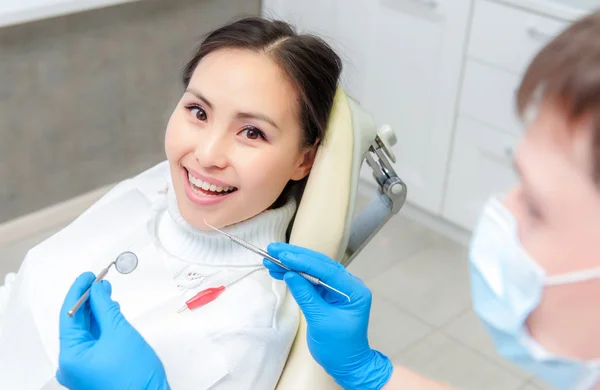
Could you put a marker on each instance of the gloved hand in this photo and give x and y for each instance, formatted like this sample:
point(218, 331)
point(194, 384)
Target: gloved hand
point(337, 329)
point(99, 349)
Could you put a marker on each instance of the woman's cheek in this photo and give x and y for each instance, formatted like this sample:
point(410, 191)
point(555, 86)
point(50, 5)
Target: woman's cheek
point(170, 145)
point(177, 140)
point(264, 180)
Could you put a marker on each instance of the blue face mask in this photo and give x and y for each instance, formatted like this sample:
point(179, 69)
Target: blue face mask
point(506, 286)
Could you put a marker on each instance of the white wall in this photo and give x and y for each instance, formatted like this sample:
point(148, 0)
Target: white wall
point(443, 74)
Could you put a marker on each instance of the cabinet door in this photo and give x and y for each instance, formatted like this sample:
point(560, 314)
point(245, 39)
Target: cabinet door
point(481, 166)
point(412, 80)
point(488, 95)
point(509, 37)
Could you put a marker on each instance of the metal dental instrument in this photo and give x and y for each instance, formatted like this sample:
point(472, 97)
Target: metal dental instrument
point(125, 263)
point(263, 253)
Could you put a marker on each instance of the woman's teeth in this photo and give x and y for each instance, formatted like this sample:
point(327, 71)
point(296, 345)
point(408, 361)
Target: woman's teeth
point(198, 185)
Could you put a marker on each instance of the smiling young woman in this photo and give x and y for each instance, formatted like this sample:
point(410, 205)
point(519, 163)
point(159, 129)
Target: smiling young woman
point(255, 106)
point(239, 145)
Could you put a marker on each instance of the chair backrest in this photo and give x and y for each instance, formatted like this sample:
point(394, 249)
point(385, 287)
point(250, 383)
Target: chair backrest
point(323, 224)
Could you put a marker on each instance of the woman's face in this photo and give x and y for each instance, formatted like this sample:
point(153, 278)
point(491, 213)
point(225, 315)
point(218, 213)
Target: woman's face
point(557, 207)
point(234, 140)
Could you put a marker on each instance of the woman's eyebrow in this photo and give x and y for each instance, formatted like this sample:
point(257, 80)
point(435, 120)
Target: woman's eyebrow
point(261, 117)
point(241, 115)
point(199, 96)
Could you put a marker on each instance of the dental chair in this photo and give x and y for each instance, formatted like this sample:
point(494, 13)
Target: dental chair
point(325, 220)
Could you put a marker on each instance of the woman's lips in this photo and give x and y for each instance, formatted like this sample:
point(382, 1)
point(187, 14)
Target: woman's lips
point(203, 197)
point(202, 178)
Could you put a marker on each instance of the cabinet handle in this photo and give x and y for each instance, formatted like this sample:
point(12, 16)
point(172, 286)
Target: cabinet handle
point(509, 153)
point(427, 3)
point(538, 35)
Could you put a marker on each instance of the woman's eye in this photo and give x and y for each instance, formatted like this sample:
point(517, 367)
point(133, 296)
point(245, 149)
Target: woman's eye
point(198, 112)
point(253, 133)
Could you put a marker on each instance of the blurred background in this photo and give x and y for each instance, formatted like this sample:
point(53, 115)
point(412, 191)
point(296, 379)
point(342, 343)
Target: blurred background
point(84, 98)
point(87, 86)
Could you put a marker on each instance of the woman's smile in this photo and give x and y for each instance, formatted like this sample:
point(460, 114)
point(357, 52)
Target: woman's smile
point(205, 191)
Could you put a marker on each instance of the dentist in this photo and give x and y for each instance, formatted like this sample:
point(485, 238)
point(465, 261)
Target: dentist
point(534, 260)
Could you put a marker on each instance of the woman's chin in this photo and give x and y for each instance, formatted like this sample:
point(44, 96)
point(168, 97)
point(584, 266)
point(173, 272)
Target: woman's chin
point(198, 222)
point(201, 221)
point(219, 216)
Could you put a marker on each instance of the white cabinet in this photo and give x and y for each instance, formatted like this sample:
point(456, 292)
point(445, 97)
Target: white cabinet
point(402, 61)
point(509, 37)
point(481, 165)
point(443, 74)
point(488, 95)
point(413, 74)
point(502, 41)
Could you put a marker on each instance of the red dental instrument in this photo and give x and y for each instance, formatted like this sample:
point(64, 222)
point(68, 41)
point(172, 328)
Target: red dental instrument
point(210, 294)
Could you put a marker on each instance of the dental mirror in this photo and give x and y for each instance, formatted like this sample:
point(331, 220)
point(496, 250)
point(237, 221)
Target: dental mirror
point(125, 264)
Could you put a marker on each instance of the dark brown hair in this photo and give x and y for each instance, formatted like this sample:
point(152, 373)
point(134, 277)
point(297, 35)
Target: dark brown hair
point(309, 62)
point(567, 70)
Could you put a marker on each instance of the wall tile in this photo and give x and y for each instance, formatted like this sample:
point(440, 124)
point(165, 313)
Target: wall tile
point(85, 98)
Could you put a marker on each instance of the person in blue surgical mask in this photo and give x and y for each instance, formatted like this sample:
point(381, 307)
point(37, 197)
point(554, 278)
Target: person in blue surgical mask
point(534, 259)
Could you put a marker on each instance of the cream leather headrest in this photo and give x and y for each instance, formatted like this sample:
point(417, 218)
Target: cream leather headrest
point(321, 220)
point(321, 223)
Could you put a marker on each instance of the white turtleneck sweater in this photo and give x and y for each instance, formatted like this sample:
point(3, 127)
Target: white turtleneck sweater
point(239, 341)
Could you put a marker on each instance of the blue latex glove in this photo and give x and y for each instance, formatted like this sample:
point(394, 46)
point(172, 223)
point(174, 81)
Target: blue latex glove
point(337, 329)
point(99, 349)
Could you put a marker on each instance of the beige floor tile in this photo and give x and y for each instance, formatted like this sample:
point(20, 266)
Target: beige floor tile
point(541, 384)
point(468, 330)
point(391, 329)
point(441, 358)
point(432, 284)
point(529, 386)
point(395, 242)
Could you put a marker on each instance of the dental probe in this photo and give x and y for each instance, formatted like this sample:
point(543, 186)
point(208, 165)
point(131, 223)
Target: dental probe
point(265, 254)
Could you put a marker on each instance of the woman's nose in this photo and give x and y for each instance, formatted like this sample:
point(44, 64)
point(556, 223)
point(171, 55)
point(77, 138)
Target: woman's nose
point(212, 150)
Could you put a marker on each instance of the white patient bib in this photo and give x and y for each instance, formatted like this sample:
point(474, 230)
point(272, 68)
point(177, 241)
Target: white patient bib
point(239, 341)
point(149, 298)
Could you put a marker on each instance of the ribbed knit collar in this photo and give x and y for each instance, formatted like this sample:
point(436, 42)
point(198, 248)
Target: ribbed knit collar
point(178, 238)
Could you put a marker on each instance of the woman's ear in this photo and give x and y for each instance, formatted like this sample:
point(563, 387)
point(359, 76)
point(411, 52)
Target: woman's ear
point(305, 163)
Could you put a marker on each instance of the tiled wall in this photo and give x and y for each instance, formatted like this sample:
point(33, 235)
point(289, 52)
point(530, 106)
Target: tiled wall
point(84, 98)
